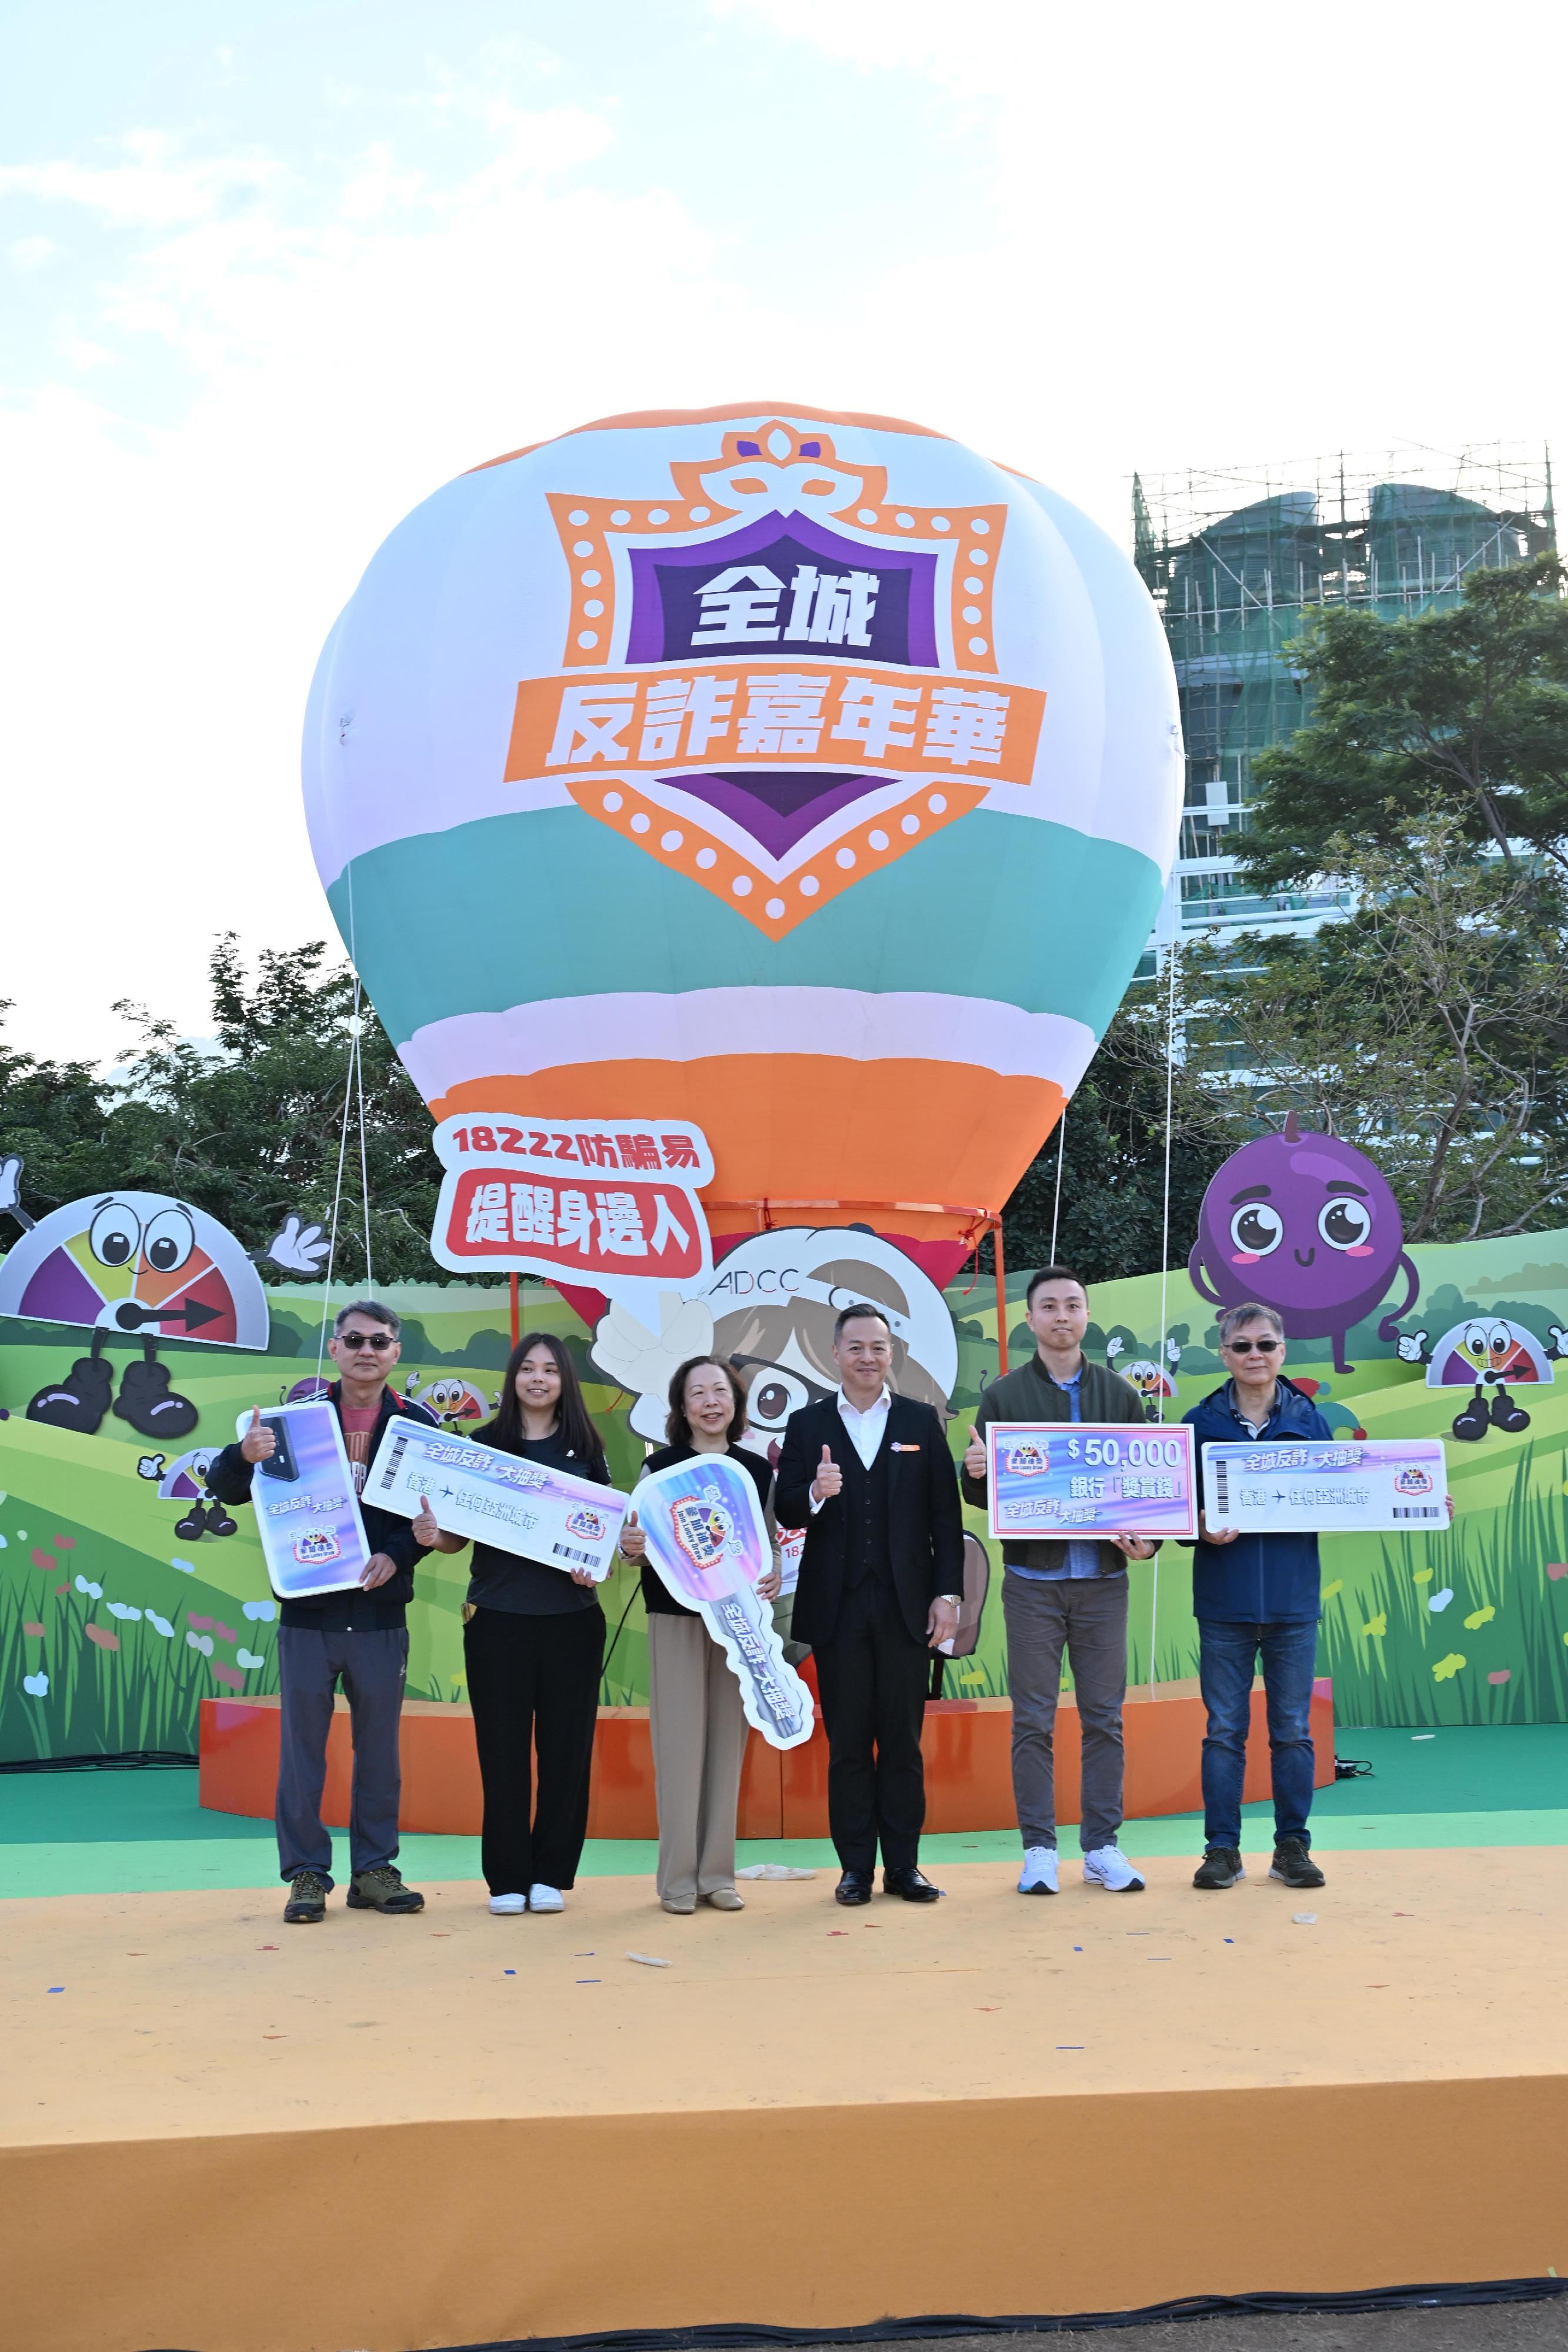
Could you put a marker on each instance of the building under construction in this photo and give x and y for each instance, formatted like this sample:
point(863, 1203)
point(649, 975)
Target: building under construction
point(1238, 560)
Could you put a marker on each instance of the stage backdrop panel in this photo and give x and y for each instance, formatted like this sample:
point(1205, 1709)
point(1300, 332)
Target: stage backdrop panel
point(122, 1606)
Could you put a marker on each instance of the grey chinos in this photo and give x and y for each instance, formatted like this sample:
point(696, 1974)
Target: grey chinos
point(1087, 1616)
point(372, 1662)
point(697, 1725)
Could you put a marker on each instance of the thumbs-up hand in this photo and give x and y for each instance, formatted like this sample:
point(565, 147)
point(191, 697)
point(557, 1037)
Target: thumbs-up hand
point(633, 1541)
point(257, 1444)
point(975, 1454)
point(830, 1479)
point(425, 1530)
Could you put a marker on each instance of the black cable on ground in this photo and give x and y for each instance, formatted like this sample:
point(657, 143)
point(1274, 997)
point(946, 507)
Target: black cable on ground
point(932, 2327)
point(133, 1759)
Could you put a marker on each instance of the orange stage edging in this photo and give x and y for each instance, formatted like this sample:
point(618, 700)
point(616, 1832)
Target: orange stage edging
point(967, 1744)
point(569, 2224)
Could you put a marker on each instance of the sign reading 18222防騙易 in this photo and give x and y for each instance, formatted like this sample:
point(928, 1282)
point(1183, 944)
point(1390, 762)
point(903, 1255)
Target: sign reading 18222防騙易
point(587, 1201)
point(1399, 1486)
point(1061, 1481)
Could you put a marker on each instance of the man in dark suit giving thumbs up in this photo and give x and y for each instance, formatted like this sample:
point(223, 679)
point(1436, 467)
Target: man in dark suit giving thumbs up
point(869, 1477)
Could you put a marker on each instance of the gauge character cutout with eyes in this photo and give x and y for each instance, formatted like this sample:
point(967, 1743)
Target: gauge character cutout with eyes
point(140, 1267)
point(1486, 1352)
point(1304, 1224)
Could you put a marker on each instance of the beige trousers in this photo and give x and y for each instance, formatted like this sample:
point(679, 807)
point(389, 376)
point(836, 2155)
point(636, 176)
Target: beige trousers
point(698, 1730)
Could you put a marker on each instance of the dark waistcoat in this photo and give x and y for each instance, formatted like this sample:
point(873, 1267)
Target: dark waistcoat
point(866, 1551)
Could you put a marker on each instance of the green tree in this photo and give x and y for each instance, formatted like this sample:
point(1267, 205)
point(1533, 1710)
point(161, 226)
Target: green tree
point(53, 1115)
point(250, 1128)
point(1429, 1027)
point(1114, 1149)
point(1463, 710)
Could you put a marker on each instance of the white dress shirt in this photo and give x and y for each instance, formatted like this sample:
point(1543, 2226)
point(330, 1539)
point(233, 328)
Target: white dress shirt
point(866, 1429)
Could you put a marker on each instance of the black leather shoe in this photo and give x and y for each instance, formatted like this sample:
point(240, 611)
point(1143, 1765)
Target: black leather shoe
point(913, 1885)
point(855, 1886)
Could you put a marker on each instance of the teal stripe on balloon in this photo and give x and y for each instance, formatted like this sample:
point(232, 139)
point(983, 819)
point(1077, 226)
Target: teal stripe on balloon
point(552, 904)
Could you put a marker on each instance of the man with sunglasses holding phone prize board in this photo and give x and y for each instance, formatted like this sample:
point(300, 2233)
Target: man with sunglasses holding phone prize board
point(344, 1573)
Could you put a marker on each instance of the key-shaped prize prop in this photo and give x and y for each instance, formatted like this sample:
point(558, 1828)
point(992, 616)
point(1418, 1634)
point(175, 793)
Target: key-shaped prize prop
point(709, 1540)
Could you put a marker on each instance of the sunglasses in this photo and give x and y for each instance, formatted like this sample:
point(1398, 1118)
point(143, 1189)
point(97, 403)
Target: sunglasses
point(1245, 1347)
point(379, 1340)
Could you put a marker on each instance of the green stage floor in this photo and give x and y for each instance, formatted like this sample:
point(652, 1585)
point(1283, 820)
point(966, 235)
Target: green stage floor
point(109, 1832)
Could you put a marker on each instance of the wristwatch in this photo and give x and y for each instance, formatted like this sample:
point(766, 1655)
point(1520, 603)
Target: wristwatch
point(954, 1600)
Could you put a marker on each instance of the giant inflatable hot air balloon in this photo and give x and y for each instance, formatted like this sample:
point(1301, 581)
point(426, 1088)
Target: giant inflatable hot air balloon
point(756, 805)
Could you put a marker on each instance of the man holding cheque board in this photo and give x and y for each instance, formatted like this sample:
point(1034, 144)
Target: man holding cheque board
point(1266, 1452)
point(1062, 1592)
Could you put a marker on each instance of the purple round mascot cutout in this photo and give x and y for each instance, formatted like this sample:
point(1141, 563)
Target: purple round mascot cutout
point(1306, 1224)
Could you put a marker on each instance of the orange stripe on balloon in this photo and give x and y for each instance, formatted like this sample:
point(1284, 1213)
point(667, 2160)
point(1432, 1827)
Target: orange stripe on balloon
point(653, 417)
point(801, 1126)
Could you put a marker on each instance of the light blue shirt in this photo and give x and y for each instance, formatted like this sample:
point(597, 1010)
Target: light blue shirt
point(1083, 1559)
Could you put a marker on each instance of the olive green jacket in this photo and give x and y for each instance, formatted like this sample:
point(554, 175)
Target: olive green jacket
point(1029, 1393)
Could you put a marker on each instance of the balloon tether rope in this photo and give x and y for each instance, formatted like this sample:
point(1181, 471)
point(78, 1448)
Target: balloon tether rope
point(1165, 1267)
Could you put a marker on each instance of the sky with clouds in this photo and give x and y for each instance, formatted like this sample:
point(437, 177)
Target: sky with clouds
point(271, 270)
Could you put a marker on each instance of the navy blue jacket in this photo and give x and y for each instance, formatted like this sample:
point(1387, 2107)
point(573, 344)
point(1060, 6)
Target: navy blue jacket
point(1257, 1579)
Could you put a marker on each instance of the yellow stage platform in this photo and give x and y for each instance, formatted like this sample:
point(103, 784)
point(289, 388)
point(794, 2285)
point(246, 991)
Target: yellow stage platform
point(226, 2134)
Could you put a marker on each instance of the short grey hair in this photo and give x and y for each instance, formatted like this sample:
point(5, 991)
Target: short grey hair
point(1233, 1318)
point(373, 1311)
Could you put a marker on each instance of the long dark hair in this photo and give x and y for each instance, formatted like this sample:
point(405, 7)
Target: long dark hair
point(571, 1414)
point(678, 1429)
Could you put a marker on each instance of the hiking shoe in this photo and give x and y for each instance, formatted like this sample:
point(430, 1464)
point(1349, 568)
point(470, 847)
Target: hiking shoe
point(307, 1900)
point(1294, 1865)
point(1038, 1876)
point(1108, 1867)
point(382, 1889)
point(1221, 1866)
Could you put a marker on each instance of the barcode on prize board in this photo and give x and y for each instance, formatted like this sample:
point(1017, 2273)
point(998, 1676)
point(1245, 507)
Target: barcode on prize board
point(565, 1551)
point(1222, 1486)
point(1416, 1511)
point(389, 1475)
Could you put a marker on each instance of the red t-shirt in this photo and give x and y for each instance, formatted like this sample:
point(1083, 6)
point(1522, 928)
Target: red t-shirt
point(359, 1426)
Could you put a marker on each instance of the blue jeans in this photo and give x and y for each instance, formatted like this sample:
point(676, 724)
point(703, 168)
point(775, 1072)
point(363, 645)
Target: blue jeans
point(1227, 1659)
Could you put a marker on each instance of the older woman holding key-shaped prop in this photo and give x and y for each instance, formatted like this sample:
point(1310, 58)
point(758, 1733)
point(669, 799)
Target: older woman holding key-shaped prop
point(696, 1706)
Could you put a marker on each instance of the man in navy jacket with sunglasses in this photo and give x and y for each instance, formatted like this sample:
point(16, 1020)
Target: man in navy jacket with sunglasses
point(1255, 1596)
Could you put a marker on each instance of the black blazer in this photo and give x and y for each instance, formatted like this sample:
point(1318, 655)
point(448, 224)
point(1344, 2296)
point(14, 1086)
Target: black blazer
point(926, 1525)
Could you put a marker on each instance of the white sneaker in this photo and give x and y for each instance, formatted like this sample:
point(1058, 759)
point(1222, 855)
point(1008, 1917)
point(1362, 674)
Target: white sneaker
point(1108, 1867)
point(507, 1905)
point(1039, 1874)
point(550, 1898)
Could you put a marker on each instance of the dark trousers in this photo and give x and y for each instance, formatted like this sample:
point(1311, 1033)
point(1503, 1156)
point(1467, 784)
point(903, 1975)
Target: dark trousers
point(372, 1666)
point(1227, 1656)
point(874, 1680)
point(533, 1683)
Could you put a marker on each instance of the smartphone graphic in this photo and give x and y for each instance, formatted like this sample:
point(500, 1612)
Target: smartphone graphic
point(282, 1463)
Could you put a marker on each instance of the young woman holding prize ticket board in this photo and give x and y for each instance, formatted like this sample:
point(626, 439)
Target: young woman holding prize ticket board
point(696, 1717)
point(533, 1640)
